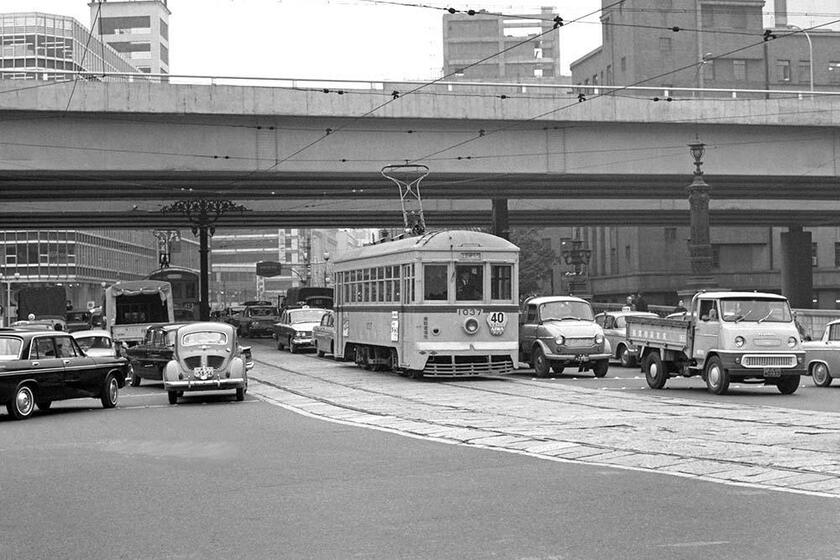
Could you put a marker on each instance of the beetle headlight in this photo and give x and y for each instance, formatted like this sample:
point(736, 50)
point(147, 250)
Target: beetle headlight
point(560, 340)
point(792, 341)
point(739, 341)
point(599, 338)
point(471, 325)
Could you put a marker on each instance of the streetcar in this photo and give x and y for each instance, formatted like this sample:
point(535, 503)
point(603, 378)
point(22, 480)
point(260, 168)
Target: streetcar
point(442, 304)
point(185, 291)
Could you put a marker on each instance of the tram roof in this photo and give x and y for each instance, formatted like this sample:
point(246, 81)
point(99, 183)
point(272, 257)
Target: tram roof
point(464, 240)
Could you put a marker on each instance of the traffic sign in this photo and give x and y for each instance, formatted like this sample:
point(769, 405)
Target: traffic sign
point(269, 268)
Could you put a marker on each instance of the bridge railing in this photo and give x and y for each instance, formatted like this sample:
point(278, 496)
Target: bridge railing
point(580, 91)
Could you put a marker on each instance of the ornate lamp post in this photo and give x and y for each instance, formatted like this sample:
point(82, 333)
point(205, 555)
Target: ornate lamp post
point(202, 214)
point(578, 257)
point(165, 237)
point(699, 246)
point(326, 272)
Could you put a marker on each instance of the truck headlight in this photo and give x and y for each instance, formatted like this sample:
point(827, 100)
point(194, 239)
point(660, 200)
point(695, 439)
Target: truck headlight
point(599, 338)
point(739, 341)
point(560, 340)
point(792, 341)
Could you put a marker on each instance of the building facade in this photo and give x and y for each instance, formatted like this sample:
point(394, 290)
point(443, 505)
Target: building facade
point(472, 43)
point(137, 29)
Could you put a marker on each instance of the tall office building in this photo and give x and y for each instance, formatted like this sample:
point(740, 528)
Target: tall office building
point(488, 46)
point(137, 29)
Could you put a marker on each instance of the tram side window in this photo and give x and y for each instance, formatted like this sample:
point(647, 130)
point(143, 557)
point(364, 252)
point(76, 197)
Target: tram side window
point(408, 283)
point(500, 281)
point(435, 286)
point(469, 282)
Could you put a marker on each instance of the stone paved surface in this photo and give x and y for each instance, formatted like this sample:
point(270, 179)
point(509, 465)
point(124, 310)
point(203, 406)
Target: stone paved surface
point(767, 447)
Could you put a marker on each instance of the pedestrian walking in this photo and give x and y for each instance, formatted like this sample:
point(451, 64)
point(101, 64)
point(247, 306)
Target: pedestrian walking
point(641, 304)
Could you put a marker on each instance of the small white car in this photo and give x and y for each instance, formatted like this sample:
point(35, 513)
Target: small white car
point(96, 342)
point(823, 356)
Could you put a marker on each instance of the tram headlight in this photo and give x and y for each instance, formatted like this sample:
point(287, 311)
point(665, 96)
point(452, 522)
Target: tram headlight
point(471, 325)
point(560, 340)
point(739, 341)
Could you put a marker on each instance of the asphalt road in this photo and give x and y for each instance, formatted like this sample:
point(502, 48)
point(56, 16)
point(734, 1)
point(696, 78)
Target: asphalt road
point(213, 478)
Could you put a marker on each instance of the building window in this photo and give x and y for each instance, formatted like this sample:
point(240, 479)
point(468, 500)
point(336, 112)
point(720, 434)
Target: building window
point(739, 69)
point(670, 234)
point(814, 260)
point(837, 254)
point(804, 71)
point(665, 44)
point(627, 254)
point(783, 70)
point(709, 70)
point(716, 256)
point(164, 30)
point(538, 73)
point(623, 63)
point(538, 52)
point(834, 72)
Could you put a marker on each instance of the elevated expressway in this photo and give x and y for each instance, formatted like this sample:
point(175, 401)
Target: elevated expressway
point(112, 154)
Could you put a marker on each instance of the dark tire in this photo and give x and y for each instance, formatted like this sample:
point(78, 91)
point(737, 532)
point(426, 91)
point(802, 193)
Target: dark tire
point(22, 404)
point(110, 393)
point(318, 351)
point(557, 368)
point(240, 393)
point(821, 375)
point(135, 379)
point(541, 365)
point(626, 359)
point(173, 397)
point(44, 405)
point(655, 373)
point(717, 378)
point(601, 367)
point(788, 384)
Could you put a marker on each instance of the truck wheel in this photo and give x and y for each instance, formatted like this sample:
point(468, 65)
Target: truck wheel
point(654, 371)
point(788, 384)
point(600, 368)
point(717, 378)
point(541, 367)
point(820, 375)
point(626, 358)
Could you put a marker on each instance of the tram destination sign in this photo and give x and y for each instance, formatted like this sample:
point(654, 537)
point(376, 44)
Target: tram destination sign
point(269, 268)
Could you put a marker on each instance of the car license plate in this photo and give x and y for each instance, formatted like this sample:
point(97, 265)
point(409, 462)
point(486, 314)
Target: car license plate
point(772, 372)
point(203, 372)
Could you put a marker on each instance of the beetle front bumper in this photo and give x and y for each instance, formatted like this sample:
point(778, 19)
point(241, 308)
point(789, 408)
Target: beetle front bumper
point(205, 384)
point(578, 358)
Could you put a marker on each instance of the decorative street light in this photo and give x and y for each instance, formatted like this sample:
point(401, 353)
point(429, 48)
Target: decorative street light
point(202, 214)
point(326, 272)
point(699, 246)
point(576, 256)
point(7, 310)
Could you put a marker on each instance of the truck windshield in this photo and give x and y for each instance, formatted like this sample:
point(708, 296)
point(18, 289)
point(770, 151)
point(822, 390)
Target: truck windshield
point(756, 310)
point(559, 310)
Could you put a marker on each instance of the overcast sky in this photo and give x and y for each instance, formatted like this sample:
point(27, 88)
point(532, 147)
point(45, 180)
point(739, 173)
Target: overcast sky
point(340, 39)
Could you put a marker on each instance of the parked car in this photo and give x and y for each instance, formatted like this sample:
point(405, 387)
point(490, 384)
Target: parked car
point(207, 357)
point(150, 356)
point(823, 356)
point(323, 334)
point(96, 342)
point(40, 325)
point(294, 330)
point(556, 332)
point(77, 320)
point(614, 324)
point(257, 320)
point(39, 367)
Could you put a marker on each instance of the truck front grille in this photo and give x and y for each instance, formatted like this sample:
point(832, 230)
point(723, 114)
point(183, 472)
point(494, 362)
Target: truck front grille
point(768, 360)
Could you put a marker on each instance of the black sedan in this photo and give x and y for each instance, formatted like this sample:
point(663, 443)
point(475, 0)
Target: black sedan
point(153, 353)
point(39, 367)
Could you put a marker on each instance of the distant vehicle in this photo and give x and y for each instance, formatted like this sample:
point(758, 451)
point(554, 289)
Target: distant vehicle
point(257, 320)
point(97, 343)
point(822, 357)
point(77, 320)
point(294, 329)
point(614, 324)
point(40, 325)
point(400, 307)
point(207, 357)
point(728, 336)
point(132, 306)
point(149, 357)
point(44, 302)
point(312, 296)
point(556, 332)
point(185, 291)
point(323, 335)
point(30, 359)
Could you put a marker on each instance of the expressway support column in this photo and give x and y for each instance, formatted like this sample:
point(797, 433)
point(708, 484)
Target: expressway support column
point(204, 282)
point(499, 216)
point(797, 271)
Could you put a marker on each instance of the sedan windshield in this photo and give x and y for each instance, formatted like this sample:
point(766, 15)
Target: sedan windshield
point(306, 316)
point(571, 310)
point(10, 348)
point(263, 311)
point(756, 310)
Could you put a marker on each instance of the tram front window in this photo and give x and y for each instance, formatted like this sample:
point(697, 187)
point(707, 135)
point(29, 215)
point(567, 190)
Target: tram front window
point(434, 282)
point(470, 283)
